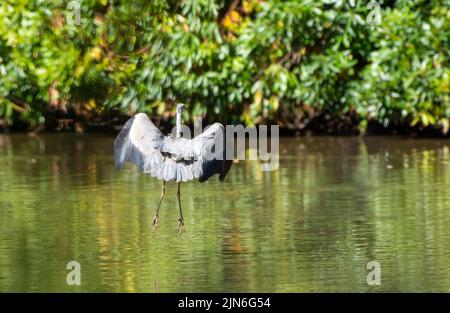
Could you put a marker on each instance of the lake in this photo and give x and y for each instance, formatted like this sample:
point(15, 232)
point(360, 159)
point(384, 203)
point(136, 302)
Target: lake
point(334, 205)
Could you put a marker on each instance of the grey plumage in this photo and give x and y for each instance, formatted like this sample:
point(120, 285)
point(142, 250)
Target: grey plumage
point(172, 158)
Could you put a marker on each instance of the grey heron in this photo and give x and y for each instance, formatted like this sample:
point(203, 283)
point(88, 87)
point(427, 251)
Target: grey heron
point(172, 158)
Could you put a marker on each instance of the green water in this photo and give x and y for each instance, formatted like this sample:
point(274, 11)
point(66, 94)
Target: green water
point(333, 205)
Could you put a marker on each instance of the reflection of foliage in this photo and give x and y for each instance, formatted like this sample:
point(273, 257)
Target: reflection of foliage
point(312, 225)
point(251, 60)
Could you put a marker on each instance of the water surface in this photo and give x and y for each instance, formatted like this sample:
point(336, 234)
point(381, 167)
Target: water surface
point(333, 205)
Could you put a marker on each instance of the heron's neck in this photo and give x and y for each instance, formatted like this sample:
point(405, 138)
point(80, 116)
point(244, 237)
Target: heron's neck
point(178, 124)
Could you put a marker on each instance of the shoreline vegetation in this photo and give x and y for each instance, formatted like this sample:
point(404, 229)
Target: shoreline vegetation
point(320, 126)
point(311, 67)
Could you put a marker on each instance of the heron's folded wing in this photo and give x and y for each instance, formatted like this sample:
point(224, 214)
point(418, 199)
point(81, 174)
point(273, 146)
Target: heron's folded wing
point(139, 142)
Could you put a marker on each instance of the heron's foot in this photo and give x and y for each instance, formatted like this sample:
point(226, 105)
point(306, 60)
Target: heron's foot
point(154, 222)
point(181, 225)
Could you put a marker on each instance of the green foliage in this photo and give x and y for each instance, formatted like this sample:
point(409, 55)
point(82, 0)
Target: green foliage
point(253, 61)
point(408, 75)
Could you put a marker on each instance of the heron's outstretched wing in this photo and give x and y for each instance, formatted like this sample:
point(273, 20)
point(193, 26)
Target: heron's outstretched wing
point(139, 142)
point(210, 147)
point(169, 158)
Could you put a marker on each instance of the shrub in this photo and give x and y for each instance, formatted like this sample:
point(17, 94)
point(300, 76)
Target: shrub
point(253, 61)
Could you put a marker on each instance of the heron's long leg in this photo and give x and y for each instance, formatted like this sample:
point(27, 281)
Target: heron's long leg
point(181, 219)
point(155, 217)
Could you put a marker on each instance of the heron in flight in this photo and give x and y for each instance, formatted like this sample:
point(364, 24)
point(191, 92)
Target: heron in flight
point(172, 158)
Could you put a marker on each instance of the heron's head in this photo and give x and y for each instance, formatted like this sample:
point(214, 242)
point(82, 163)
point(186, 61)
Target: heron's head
point(180, 108)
